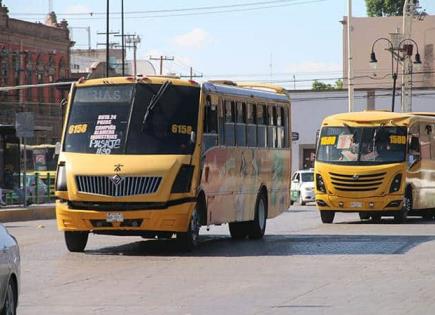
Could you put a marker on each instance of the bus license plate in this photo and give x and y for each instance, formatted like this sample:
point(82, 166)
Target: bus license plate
point(114, 217)
point(356, 204)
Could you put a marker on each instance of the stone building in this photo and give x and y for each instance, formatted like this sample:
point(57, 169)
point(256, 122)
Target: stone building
point(34, 53)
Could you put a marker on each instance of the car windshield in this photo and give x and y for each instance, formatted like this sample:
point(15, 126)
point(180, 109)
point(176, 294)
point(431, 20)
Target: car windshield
point(307, 177)
point(109, 119)
point(362, 145)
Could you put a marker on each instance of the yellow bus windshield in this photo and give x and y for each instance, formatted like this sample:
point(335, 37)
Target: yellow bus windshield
point(362, 145)
point(132, 119)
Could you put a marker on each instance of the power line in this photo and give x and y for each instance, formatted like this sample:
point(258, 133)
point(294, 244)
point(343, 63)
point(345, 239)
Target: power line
point(199, 13)
point(247, 4)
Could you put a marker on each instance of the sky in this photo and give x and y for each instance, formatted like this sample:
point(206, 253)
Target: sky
point(288, 42)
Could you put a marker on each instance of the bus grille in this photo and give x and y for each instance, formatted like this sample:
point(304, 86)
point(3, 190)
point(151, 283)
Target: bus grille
point(117, 186)
point(356, 183)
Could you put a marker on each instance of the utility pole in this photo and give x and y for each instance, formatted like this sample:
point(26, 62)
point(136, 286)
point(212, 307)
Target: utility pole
point(191, 75)
point(350, 87)
point(408, 15)
point(162, 58)
point(122, 38)
point(107, 38)
point(133, 40)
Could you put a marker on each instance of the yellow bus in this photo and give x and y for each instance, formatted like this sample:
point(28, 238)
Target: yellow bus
point(160, 156)
point(376, 164)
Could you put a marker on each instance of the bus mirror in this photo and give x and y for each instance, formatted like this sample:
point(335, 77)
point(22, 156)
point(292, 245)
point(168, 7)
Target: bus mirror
point(57, 148)
point(414, 146)
point(192, 137)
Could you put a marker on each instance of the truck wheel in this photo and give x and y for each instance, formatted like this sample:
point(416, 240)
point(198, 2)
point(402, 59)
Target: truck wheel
point(327, 216)
point(257, 227)
point(376, 218)
point(76, 241)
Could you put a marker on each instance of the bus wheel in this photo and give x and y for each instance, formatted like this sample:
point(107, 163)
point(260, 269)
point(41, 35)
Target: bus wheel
point(238, 230)
point(257, 227)
point(76, 241)
point(364, 216)
point(401, 215)
point(327, 216)
point(376, 218)
point(189, 239)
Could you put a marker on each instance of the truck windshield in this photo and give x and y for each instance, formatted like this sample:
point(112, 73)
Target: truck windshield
point(362, 145)
point(109, 119)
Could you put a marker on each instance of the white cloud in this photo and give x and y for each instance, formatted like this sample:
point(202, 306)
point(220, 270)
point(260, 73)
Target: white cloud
point(196, 39)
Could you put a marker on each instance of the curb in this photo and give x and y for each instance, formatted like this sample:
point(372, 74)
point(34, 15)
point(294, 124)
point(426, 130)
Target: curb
point(37, 212)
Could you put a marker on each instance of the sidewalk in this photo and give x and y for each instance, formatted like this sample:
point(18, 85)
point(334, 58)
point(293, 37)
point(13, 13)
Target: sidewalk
point(32, 212)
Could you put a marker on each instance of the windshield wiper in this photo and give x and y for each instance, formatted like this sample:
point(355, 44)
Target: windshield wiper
point(154, 100)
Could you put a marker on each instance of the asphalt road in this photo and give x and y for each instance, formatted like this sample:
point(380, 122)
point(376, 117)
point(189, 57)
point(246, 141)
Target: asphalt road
point(301, 267)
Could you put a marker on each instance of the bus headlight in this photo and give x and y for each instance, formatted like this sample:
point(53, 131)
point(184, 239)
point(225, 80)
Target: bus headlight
point(61, 177)
point(183, 180)
point(320, 184)
point(395, 185)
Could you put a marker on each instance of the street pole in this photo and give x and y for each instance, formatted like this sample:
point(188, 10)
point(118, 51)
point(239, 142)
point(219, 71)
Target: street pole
point(107, 39)
point(350, 86)
point(122, 38)
point(408, 15)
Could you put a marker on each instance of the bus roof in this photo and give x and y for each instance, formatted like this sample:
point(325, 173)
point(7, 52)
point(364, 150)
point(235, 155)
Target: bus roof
point(269, 92)
point(139, 79)
point(373, 117)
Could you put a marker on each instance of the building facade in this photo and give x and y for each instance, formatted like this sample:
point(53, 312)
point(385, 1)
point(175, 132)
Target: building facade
point(366, 30)
point(34, 53)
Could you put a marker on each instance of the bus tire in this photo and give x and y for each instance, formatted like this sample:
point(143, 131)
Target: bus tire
point(238, 230)
point(364, 216)
point(257, 227)
point(327, 216)
point(376, 218)
point(402, 214)
point(76, 241)
point(189, 240)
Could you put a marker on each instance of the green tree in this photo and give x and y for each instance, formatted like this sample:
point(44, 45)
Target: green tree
point(385, 7)
point(321, 86)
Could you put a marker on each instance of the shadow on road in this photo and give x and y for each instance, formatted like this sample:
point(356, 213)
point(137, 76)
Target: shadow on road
point(274, 245)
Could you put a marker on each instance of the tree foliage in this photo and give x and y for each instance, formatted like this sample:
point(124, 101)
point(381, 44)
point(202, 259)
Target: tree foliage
point(385, 7)
point(321, 86)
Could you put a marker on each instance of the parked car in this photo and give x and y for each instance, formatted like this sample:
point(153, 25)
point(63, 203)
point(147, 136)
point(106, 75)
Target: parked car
point(302, 187)
point(9, 272)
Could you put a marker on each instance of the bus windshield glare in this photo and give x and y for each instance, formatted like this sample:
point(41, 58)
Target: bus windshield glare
point(109, 119)
point(362, 145)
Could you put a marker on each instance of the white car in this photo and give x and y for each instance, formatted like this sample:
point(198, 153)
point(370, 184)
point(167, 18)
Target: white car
point(302, 187)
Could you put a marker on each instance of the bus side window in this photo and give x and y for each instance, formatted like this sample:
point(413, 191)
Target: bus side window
point(261, 126)
point(432, 142)
point(230, 118)
point(210, 125)
point(221, 122)
point(241, 124)
point(424, 142)
point(252, 125)
point(280, 129)
point(271, 132)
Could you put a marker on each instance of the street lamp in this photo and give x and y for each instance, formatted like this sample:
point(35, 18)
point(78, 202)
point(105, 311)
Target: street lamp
point(399, 53)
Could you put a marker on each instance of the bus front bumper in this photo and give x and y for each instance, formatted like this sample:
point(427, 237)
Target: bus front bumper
point(172, 219)
point(341, 204)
